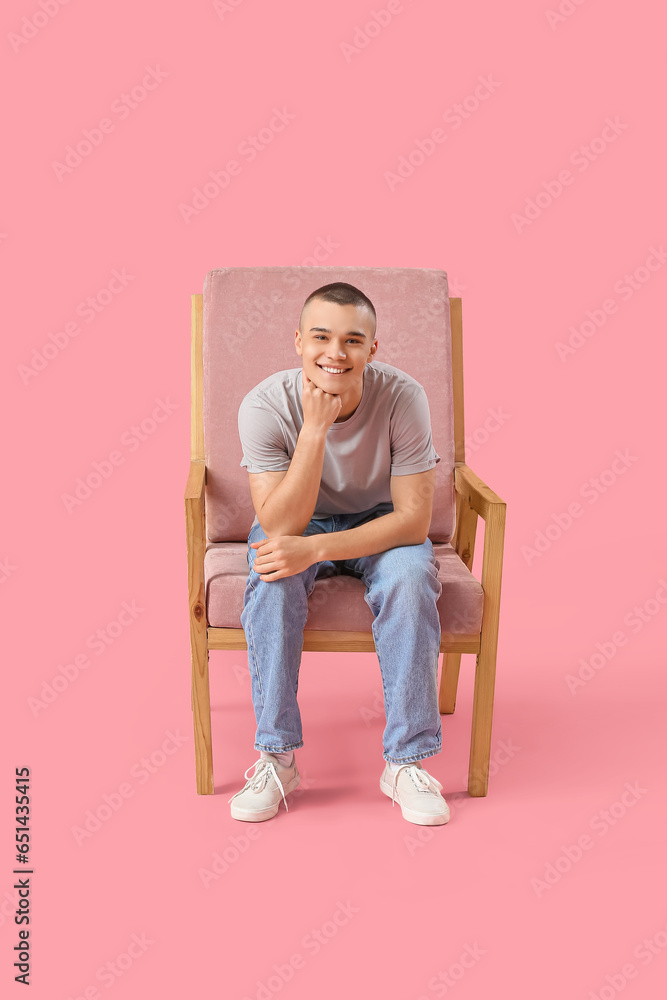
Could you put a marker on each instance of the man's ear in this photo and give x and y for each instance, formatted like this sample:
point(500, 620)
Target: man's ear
point(297, 341)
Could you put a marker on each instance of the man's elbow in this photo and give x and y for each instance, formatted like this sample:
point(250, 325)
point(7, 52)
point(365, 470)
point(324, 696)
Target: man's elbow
point(272, 529)
point(416, 529)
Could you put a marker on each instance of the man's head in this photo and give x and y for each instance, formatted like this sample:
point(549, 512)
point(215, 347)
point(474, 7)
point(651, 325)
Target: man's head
point(337, 330)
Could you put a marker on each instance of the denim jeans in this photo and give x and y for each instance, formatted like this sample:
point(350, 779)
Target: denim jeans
point(402, 589)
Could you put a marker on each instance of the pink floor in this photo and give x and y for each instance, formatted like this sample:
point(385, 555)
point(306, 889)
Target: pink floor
point(553, 885)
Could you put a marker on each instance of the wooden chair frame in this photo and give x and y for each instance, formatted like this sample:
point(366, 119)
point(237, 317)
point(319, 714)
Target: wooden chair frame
point(473, 499)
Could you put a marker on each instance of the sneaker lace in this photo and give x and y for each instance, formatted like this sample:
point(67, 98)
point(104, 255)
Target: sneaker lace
point(263, 770)
point(421, 778)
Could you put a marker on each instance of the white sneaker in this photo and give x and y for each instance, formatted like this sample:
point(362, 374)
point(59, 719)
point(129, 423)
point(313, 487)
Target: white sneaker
point(417, 793)
point(260, 797)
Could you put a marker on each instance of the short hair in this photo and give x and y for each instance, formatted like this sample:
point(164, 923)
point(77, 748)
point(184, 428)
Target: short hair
point(343, 294)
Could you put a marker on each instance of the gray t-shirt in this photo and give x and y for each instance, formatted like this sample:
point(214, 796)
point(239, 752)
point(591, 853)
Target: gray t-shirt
point(389, 434)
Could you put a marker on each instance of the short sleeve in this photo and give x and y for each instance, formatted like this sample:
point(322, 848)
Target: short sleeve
point(412, 447)
point(262, 439)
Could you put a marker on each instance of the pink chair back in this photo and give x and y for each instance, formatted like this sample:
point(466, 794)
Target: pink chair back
point(250, 315)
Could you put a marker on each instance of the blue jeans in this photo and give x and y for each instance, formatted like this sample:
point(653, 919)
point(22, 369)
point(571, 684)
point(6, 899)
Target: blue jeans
point(402, 589)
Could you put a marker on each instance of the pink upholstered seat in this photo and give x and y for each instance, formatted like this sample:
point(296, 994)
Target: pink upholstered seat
point(250, 315)
point(337, 602)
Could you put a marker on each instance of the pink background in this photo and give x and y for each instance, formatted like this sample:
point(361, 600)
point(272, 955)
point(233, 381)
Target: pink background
point(408, 904)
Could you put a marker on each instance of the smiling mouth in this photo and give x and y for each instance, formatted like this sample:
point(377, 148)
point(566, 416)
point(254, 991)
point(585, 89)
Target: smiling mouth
point(336, 371)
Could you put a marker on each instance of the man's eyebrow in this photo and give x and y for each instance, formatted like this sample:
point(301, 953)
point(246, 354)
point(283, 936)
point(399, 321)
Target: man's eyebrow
point(350, 333)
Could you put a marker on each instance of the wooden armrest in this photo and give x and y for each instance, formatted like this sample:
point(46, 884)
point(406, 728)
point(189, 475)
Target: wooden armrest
point(478, 499)
point(194, 488)
point(478, 495)
point(195, 535)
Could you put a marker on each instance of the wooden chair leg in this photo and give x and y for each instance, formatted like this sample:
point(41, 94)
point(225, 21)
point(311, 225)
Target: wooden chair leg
point(201, 711)
point(485, 669)
point(482, 721)
point(449, 680)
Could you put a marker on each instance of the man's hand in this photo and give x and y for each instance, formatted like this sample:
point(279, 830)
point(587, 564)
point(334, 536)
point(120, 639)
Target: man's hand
point(284, 555)
point(320, 408)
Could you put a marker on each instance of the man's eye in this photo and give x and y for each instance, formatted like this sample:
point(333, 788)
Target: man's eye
point(351, 340)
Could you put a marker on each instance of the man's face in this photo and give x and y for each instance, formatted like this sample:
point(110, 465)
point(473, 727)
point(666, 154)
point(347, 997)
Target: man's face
point(339, 337)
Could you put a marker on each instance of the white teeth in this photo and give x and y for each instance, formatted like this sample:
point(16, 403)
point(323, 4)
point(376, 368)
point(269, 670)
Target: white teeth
point(333, 371)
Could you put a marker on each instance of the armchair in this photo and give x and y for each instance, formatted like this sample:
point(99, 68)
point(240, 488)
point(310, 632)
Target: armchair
point(241, 332)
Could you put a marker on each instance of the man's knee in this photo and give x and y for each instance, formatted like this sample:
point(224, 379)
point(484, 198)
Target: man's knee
point(284, 600)
point(289, 590)
point(296, 582)
point(405, 562)
point(402, 574)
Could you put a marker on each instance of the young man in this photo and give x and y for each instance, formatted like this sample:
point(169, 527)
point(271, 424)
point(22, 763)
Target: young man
point(342, 473)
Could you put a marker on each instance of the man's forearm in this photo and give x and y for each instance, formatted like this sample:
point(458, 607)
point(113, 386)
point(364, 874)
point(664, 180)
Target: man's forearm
point(290, 506)
point(385, 532)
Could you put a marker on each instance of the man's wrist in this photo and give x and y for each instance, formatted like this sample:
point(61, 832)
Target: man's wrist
point(314, 432)
point(381, 533)
point(314, 544)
